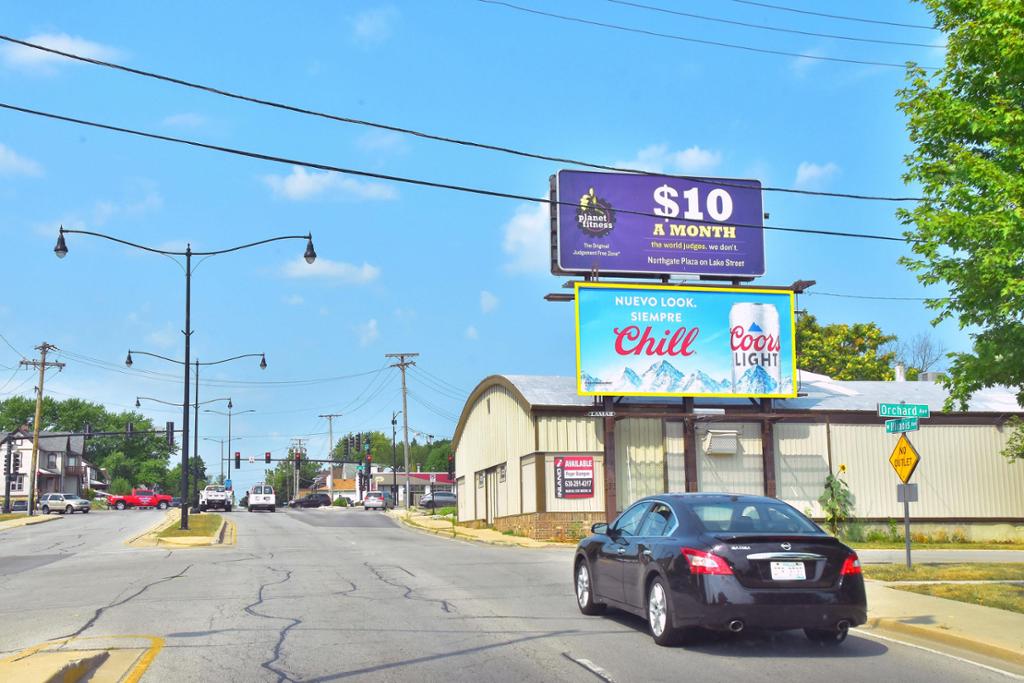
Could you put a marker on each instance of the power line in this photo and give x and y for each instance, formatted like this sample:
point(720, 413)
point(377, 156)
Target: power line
point(411, 181)
point(833, 16)
point(764, 27)
point(11, 346)
point(441, 380)
point(873, 298)
point(672, 36)
point(426, 136)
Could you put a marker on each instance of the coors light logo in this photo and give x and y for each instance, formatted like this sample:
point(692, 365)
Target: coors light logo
point(755, 344)
point(595, 216)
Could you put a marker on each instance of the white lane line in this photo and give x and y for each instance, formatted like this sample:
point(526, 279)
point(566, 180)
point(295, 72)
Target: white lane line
point(944, 654)
point(591, 667)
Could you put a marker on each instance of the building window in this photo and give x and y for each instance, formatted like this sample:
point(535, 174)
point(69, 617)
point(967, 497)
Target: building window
point(72, 461)
point(501, 473)
point(18, 482)
point(51, 461)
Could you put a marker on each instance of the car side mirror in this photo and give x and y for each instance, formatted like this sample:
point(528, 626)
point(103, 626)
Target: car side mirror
point(600, 528)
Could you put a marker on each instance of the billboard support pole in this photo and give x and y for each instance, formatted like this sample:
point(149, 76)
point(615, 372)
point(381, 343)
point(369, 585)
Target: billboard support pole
point(768, 449)
point(689, 445)
point(610, 493)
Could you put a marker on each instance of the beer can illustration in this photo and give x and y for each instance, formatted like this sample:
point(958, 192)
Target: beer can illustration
point(754, 340)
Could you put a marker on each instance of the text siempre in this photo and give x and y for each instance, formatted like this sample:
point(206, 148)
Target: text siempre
point(632, 340)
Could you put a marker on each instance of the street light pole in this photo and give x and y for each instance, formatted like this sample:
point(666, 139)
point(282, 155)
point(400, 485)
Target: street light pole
point(394, 455)
point(184, 404)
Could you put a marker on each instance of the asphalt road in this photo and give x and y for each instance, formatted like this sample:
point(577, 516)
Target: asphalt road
point(323, 595)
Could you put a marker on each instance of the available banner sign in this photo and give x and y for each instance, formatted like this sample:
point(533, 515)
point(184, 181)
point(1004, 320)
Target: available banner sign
point(574, 477)
point(632, 224)
point(649, 340)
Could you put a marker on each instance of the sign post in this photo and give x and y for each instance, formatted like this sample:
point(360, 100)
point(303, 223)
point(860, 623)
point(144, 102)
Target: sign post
point(904, 460)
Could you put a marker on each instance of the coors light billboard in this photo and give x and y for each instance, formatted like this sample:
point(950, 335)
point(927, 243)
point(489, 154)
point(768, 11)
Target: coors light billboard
point(637, 340)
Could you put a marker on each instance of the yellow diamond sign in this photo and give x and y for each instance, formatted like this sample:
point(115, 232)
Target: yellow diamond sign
point(904, 458)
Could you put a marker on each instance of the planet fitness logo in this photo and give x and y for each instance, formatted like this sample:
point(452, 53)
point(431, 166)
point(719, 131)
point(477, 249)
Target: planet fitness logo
point(595, 216)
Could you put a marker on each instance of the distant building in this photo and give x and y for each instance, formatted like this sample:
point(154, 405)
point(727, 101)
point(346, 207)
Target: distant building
point(61, 464)
point(530, 457)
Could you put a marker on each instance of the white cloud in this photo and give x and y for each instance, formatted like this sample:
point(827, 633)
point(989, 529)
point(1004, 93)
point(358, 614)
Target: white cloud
point(294, 300)
point(488, 302)
point(374, 26)
point(471, 332)
point(165, 337)
point(12, 163)
point(332, 270)
point(368, 332)
point(301, 184)
point(184, 120)
point(659, 159)
point(809, 175)
point(38, 61)
point(801, 65)
point(527, 240)
point(381, 141)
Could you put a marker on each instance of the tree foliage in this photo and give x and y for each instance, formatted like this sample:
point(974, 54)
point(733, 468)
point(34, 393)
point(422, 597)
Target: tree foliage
point(845, 352)
point(967, 126)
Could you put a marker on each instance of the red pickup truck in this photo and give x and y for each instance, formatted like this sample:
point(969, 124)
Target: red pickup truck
point(140, 498)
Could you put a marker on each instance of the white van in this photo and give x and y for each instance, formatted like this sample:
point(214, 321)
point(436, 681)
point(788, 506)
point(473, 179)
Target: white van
point(261, 496)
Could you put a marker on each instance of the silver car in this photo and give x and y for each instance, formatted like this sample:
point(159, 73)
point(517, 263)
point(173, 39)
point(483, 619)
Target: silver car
point(379, 500)
point(64, 503)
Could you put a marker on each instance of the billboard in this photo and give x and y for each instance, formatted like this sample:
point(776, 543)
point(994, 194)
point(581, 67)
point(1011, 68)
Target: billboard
point(649, 340)
point(631, 224)
point(574, 477)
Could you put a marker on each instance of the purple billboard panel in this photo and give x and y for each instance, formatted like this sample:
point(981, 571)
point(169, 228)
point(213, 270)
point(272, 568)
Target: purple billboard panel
point(630, 224)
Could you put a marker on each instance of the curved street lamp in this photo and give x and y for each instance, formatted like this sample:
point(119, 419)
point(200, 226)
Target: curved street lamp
point(229, 413)
point(61, 250)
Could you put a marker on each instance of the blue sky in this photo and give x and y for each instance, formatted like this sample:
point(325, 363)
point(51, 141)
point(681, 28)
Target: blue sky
point(457, 278)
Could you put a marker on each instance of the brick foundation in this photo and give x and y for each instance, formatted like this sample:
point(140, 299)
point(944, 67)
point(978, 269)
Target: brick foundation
point(550, 526)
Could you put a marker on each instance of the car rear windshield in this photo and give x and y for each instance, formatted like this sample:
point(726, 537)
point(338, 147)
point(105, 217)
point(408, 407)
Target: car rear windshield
point(744, 516)
point(216, 489)
point(374, 495)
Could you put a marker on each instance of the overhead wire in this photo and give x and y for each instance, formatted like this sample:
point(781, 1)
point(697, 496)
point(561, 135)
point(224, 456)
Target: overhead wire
point(420, 369)
point(690, 39)
point(11, 346)
point(438, 388)
point(873, 298)
point(763, 27)
point(833, 16)
point(416, 181)
point(424, 135)
point(440, 412)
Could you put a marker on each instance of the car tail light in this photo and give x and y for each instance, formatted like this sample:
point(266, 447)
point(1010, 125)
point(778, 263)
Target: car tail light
point(851, 566)
point(705, 563)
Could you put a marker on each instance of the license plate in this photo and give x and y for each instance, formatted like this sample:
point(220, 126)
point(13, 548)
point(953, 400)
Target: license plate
point(788, 571)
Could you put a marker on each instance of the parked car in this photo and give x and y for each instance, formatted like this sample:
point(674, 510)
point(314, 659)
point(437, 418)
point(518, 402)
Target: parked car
point(215, 496)
point(261, 497)
point(64, 503)
point(437, 499)
point(311, 500)
point(721, 562)
point(175, 502)
point(378, 500)
point(139, 498)
point(19, 506)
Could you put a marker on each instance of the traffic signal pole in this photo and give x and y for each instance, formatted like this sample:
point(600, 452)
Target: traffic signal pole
point(402, 364)
point(33, 473)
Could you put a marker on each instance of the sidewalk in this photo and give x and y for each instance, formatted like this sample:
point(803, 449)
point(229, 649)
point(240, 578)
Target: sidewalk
point(26, 520)
point(986, 631)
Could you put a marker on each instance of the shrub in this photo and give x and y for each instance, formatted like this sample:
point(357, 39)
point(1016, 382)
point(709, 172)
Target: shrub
point(120, 486)
point(341, 502)
point(88, 494)
point(836, 501)
point(854, 532)
point(894, 533)
point(445, 512)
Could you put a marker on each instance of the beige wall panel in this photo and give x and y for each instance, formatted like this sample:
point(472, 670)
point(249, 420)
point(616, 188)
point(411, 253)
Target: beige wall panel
point(528, 483)
point(740, 473)
point(961, 473)
point(463, 502)
point(479, 495)
point(675, 457)
point(498, 430)
point(639, 459)
point(594, 504)
point(570, 434)
point(504, 489)
point(801, 462)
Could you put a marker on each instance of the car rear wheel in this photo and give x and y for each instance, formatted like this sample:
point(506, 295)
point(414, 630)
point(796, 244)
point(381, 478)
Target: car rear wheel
point(69, 510)
point(659, 614)
point(827, 636)
point(162, 505)
point(585, 591)
point(273, 509)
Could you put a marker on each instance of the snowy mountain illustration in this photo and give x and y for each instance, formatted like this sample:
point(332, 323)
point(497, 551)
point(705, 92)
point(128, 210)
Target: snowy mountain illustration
point(629, 380)
point(661, 377)
point(756, 380)
point(589, 382)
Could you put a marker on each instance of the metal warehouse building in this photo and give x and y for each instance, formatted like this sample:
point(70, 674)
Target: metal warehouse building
point(515, 432)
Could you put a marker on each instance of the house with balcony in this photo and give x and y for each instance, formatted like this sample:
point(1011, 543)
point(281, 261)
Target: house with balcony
point(61, 466)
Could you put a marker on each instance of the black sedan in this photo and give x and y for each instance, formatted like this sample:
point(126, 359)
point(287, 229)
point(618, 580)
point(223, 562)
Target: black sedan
point(311, 500)
point(721, 562)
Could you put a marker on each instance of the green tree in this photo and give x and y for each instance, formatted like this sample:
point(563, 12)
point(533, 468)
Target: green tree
point(967, 126)
point(437, 460)
point(845, 352)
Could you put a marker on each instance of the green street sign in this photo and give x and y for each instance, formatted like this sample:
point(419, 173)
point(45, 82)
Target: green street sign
point(919, 410)
point(903, 424)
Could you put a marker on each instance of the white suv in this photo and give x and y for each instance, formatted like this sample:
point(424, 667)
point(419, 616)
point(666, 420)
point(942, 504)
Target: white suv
point(261, 496)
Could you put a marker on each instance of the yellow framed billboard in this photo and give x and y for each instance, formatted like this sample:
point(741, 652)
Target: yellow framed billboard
point(651, 340)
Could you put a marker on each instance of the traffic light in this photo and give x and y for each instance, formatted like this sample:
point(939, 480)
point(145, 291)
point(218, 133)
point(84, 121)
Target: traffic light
point(366, 443)
point(129, 428)
point(238, 460)
point(170, 433)
point(359, 442)
point(346, 449)
point(451, 466)
point(17, 461)
point(266, 457)
point(298, 459)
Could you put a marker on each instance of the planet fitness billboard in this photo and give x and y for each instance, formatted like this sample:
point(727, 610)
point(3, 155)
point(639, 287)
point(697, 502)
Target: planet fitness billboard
point(640, 340)
point(631, 224)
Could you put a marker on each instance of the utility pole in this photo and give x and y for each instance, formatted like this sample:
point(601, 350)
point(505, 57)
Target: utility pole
point(330, 449)
point(298, 449)
point(402, 364)
point(42, 365)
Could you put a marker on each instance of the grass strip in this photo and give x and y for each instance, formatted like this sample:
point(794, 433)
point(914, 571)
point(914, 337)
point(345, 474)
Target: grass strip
point(974, 571)
point(898, 545)
point(13, 515)
point(1001, 596)
point(198, 525)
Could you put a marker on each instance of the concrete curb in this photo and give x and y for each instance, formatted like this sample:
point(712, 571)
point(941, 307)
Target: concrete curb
point(197, 541)
point(27, 521)
point(963, 642)
point(168, 519)
point(448, 533)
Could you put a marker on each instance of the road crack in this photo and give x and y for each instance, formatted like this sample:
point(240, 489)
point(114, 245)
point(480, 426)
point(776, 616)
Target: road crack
point(446, 606)
point(282, 675)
